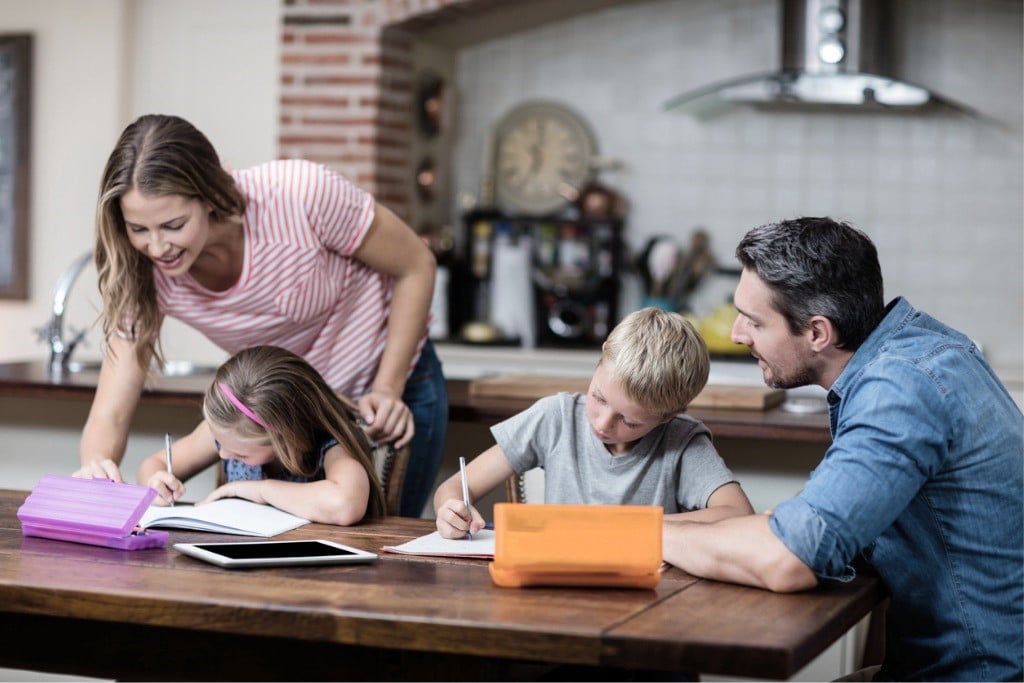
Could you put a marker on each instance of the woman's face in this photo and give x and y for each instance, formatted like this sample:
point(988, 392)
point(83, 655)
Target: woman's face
point(171, 230)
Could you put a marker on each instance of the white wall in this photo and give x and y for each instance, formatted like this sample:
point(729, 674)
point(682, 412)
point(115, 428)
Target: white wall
point(98, 65)
point(940, 195)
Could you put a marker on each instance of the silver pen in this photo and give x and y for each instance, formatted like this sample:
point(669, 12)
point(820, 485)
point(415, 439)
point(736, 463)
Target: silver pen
point(465, 491)
point(167, 456)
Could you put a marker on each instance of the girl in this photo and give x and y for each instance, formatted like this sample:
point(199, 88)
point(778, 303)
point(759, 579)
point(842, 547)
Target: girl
point(285, 437)
point(287, 253)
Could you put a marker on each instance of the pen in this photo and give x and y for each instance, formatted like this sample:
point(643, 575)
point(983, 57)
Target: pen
point(465, 491)
point(167, 456)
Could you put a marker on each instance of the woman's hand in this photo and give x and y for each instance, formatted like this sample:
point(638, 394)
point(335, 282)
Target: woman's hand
point(388, 419)
point(99, 469)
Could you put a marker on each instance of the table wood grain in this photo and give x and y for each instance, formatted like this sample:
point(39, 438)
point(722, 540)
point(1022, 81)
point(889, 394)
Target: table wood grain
point(157, 614)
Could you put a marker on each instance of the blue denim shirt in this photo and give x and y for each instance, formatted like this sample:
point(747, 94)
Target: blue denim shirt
point(924, 477)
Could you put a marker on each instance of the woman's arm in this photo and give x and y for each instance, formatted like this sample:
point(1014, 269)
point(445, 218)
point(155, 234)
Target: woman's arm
point(391, 247)
point(341, 498)
point(191, 455)
point(728, 500)
point(105, 435)
point(483, 473)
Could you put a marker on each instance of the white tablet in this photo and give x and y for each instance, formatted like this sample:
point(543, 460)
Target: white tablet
point(275, 553)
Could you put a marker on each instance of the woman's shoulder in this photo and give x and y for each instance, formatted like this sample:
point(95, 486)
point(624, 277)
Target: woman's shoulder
point(282, 170)
point(298, 179)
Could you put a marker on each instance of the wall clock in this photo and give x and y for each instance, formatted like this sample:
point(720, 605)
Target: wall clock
point(542, 155)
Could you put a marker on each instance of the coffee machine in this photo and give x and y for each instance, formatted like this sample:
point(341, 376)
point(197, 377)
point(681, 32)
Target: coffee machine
point(573, 276)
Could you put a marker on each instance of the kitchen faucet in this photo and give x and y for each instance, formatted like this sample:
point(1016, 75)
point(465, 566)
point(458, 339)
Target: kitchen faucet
point(53, 332)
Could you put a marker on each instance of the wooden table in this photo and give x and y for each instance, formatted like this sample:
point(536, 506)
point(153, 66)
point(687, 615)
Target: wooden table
point(157, 614)
point(31, 379)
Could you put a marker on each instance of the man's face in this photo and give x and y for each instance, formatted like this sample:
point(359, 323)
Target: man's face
point(784, 357)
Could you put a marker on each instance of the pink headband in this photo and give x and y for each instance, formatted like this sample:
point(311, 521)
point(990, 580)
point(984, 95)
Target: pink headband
point(241, 406)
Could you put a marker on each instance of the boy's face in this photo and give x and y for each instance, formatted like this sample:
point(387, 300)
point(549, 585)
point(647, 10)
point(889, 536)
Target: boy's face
point(617, 420)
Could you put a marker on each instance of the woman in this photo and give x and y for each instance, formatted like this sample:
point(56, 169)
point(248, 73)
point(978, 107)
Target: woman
point(287, 253)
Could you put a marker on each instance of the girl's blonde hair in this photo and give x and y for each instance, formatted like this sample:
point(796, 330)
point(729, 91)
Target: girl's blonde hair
point(658, 359)
point(158, 156)
point(299, 410)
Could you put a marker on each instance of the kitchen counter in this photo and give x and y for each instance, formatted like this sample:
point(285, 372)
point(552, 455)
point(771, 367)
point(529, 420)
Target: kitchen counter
point(462, 367)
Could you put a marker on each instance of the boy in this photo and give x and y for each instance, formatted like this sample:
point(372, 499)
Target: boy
point(624, 443)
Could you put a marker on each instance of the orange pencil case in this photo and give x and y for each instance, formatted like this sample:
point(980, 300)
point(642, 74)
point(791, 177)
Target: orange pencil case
point(577, 545)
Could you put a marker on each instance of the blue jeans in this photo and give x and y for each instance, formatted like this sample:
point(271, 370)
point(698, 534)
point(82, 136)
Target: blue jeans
point(426, 395)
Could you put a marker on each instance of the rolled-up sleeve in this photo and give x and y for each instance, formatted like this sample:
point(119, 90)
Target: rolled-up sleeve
point(805, 533)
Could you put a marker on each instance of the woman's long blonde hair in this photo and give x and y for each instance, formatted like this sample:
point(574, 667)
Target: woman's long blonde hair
point(156, 155)
point(298, 408)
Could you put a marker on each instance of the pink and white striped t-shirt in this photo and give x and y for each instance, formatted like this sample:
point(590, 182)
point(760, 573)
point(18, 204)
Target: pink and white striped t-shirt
point(300, 287)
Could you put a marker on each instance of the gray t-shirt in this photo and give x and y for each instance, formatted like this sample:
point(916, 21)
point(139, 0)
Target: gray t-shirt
point(674, 465)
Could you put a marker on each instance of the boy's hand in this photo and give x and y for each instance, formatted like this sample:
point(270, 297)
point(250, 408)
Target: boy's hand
point(455, 521)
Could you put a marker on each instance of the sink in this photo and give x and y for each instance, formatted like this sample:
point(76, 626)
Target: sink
point(172, 368)
point(186, 368)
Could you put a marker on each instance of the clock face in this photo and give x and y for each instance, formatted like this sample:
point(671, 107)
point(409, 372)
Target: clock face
point(540, 148)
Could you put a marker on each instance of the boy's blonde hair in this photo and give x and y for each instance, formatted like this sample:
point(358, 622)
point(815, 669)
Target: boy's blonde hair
point(658, 359)
point(297, 407)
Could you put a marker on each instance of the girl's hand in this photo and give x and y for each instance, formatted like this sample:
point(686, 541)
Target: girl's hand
point(99, 469)
point(248, 489)
point(168, 488)
point(388, 419)
point(455, 521)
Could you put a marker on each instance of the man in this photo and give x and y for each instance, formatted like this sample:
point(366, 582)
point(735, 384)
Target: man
point(924, 474)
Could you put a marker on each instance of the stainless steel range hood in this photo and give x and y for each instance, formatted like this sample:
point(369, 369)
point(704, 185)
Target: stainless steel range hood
point(835, 53)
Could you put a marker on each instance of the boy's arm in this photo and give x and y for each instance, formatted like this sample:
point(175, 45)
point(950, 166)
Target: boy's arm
point(728, 500)
point(484, 473)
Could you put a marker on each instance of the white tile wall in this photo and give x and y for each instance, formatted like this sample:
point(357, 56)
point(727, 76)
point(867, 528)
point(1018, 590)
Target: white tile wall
point(940, 195)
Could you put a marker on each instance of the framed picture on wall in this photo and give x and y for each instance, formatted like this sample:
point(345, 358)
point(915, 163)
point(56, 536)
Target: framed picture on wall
point(15, 120)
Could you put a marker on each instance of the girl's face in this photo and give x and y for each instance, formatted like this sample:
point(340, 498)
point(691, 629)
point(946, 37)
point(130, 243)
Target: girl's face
point(171, 230)
point(617, 420)
point(250, 451)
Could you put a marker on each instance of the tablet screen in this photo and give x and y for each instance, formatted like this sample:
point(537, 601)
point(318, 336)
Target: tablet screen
point(271, 553)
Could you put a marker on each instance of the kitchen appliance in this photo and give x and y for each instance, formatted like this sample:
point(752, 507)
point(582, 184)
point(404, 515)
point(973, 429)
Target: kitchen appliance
point(834, 53)
point(572, 287)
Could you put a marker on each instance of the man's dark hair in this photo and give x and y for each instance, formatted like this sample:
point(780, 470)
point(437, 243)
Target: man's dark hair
point(818, 266)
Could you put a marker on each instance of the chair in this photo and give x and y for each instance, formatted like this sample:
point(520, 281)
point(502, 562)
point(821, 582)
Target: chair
point(391, 465)
point(531, 482)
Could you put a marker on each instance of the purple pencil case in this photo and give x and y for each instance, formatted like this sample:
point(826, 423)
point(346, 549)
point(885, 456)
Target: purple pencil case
point(93, 511)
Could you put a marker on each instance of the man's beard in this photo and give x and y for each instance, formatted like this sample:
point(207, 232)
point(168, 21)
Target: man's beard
point(801, 377)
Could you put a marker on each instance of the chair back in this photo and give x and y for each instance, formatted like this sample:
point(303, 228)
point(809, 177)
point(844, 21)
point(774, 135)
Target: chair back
point(526, 487)
point(391, 465)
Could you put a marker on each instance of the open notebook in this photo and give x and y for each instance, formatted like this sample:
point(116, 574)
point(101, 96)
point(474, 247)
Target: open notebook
point(234, 516)
point(481, 546)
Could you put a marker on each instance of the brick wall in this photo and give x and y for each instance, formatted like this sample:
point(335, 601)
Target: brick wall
point(347, 88)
